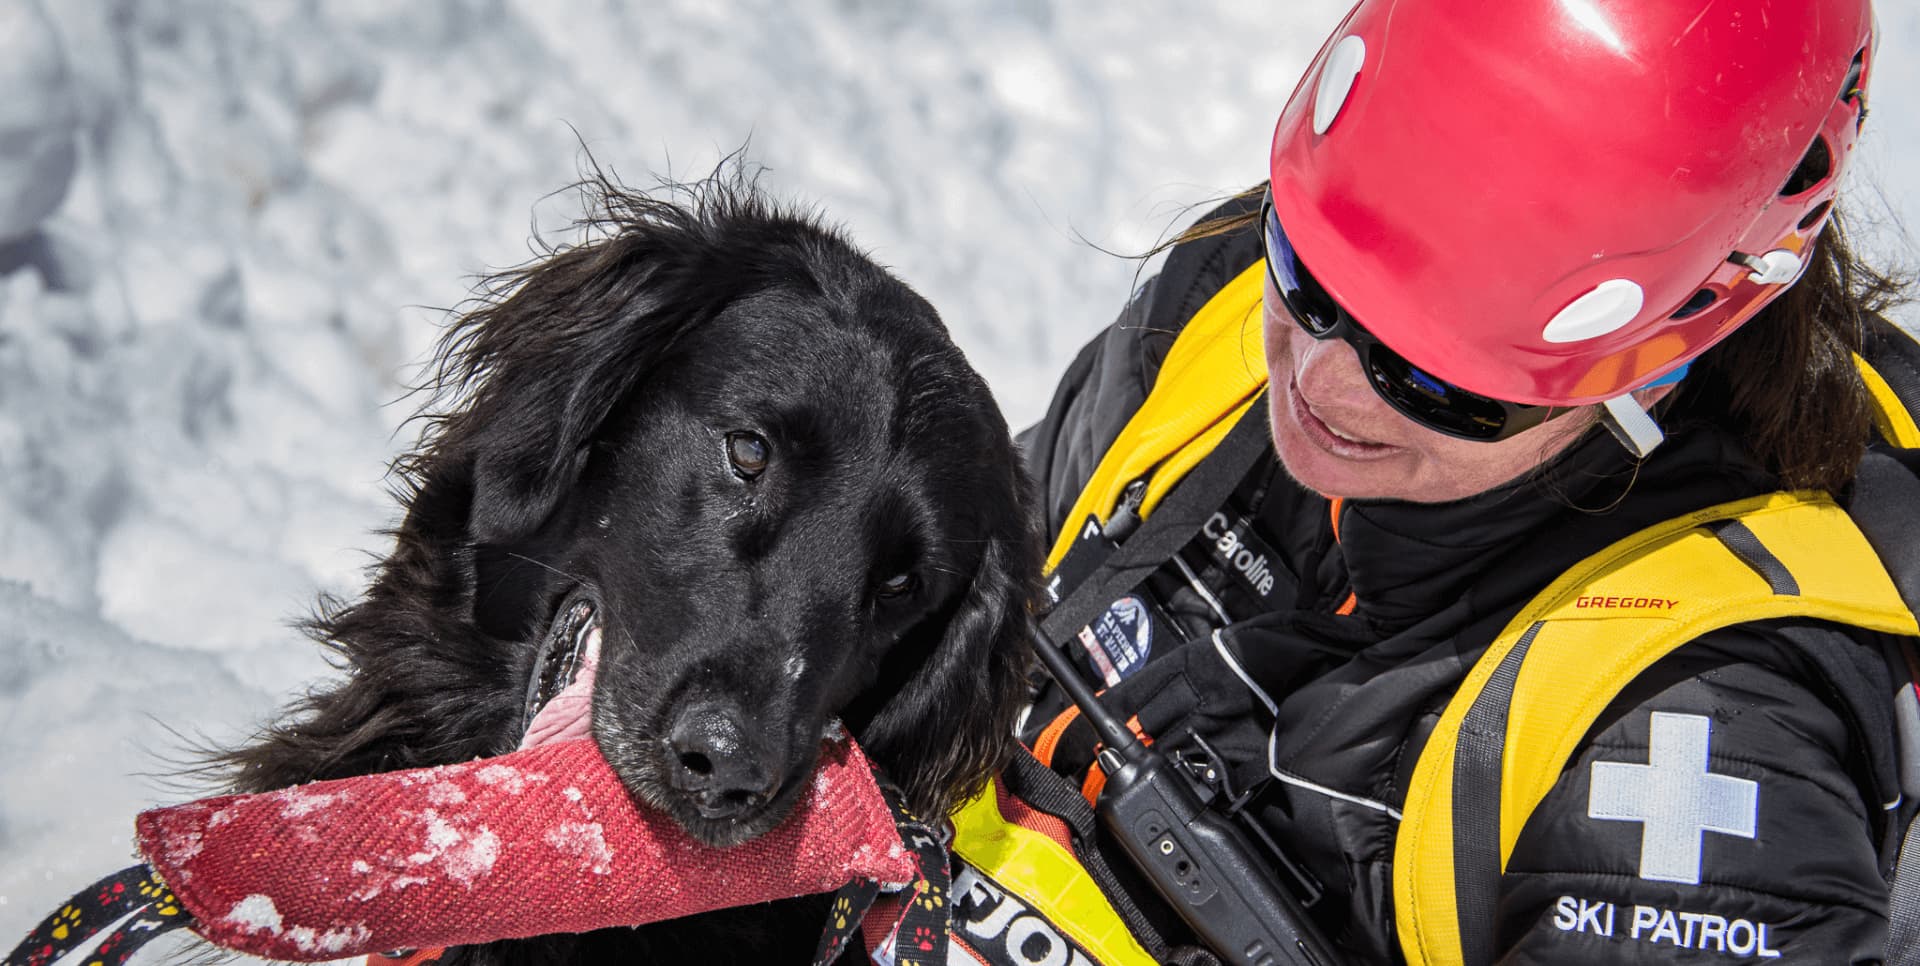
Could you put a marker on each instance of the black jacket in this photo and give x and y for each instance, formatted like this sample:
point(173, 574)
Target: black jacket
point(1794, 713)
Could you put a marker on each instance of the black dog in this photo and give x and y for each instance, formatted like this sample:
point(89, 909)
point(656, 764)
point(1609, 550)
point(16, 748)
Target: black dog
point(751, 464)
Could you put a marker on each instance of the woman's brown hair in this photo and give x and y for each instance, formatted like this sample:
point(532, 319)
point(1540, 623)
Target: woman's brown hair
point(1785, 383)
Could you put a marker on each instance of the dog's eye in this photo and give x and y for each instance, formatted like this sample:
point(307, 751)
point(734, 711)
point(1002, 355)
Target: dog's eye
point(898, 585)
point(748, 452)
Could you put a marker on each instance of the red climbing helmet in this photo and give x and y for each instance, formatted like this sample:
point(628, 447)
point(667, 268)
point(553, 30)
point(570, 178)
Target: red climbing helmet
point(1559, 201)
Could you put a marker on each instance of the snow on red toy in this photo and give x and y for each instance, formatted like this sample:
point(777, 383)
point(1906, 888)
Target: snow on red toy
point(544, 840)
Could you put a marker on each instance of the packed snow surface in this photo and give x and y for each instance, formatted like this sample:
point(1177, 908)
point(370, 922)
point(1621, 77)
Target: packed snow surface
point(226, 227)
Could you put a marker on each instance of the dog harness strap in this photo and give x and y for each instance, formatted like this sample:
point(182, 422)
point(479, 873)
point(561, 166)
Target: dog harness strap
point(924, 927)
point(136, 890)
point(850, 905)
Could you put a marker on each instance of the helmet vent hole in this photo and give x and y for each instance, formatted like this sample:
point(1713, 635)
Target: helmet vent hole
point(1850, 88)
point(1813, 217)
point(1813, 169)
point(1697, 304)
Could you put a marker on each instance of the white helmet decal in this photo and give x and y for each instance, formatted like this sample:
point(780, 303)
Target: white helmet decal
point(1336, 80)
point(1608, 306)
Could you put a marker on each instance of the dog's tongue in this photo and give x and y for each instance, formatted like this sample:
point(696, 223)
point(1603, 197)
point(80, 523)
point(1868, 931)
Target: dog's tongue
point(570, 714)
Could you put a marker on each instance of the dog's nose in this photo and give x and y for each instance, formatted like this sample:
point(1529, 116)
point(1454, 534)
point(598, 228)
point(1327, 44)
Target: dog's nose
point(716, 762)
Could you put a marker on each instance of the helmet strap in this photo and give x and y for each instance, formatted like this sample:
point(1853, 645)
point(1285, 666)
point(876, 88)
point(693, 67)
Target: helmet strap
point(1631, 425)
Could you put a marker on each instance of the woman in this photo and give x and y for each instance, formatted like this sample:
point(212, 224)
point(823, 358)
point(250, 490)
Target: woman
point(1538, 274)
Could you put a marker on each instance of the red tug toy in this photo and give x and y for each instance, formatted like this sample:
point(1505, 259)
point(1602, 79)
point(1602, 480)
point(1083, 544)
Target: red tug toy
point(544, 840)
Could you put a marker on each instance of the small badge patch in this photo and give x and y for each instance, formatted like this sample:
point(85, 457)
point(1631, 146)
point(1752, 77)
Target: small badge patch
point(1120, 640)
point(1674, 797)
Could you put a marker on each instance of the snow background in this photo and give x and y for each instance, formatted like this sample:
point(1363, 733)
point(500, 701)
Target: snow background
point(223, 222)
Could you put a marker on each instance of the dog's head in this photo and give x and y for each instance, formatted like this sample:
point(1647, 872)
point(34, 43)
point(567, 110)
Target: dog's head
point(782, 493)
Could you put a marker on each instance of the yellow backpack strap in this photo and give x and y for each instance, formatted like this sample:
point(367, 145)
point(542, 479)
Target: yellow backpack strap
point(1895, 422)
point(1507, 735)
point(1216, 368)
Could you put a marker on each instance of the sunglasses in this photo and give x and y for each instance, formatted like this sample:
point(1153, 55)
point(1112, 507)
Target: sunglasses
point(1416, 394)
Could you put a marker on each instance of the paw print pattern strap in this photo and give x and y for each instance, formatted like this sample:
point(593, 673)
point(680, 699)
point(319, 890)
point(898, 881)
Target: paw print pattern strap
point(850, 906)
point(136, 890)
point(925, 927)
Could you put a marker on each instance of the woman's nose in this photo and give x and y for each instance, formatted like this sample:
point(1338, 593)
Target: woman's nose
point(1328, 371)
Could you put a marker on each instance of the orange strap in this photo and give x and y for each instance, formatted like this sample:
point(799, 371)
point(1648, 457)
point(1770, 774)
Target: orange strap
point(418, 957)
point(1049, 740)
point(1096, 778)
point(1333, 511)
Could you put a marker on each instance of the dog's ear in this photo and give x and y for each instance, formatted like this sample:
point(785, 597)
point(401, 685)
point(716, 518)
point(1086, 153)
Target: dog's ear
point(546, 366)
point(951, 727)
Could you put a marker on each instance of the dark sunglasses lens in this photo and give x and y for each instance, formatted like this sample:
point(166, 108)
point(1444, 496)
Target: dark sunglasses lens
point(1433, 402)
point(1309, 304)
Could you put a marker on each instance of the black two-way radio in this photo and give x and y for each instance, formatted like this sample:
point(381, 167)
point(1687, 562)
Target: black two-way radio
point(1201, 863)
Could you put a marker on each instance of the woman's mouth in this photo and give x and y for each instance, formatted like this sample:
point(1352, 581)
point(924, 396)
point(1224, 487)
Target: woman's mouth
point(1326, 437)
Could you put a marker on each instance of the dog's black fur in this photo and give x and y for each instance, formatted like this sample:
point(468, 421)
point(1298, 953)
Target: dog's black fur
point(601, 421)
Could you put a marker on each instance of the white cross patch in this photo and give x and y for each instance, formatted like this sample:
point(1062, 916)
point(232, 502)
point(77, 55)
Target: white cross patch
point(1674, 797)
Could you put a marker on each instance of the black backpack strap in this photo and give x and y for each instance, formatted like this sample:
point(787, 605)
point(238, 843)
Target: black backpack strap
point(1172, 524)
point(1885, 504)
point(1903, 893)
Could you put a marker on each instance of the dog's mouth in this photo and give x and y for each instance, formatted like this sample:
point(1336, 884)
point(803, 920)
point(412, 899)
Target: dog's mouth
point(700, 767)
point(559, 704)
